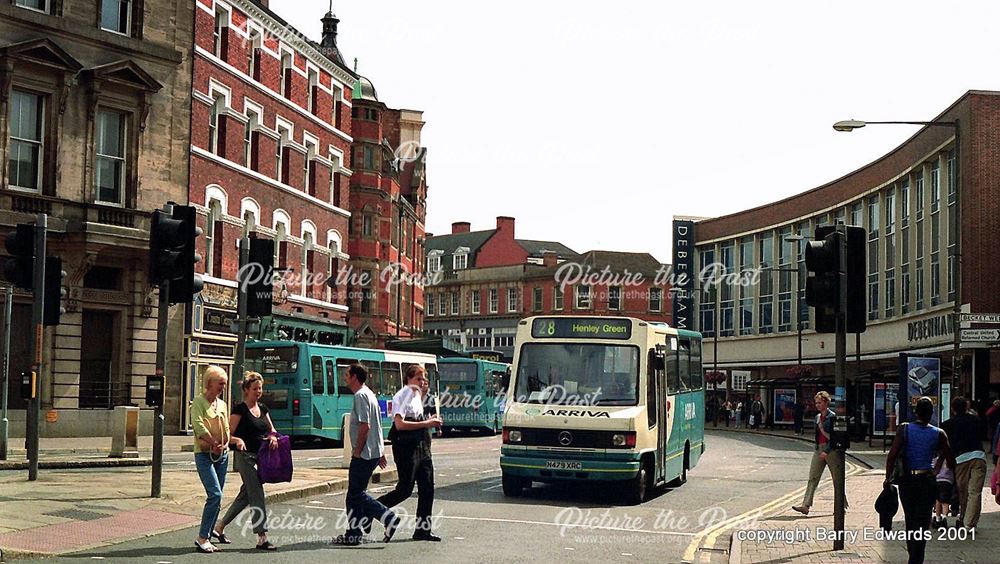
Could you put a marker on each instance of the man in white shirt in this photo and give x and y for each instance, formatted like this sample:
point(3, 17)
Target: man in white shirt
point(411, 450)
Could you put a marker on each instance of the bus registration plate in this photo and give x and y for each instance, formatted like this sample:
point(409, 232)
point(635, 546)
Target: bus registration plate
point(563, 465)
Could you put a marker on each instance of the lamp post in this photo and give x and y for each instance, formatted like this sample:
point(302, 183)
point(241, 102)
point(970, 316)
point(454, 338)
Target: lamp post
point(851, 125)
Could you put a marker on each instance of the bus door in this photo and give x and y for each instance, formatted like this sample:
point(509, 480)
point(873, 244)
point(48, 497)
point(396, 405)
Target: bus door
point(318, 405)
point(656, 407)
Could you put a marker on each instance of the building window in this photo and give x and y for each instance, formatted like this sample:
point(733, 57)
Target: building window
point(253, 55)
point(874, 219)
point(220, 37)
point(216, 130)
point(511, 300)
point(583, 297)
point(726, 304)
point(454, 302)
point(706, 304)
point(111, 131)
point(802, 319)
point(766, 315)
point(656, 299)
point(39, 5)
point(785, 280)
point(494, 301)
point(434, 263)
point(475, 301)
point(430, 305)
point(443, 304)
point(116, 16)
point(250, 140)
point(309, 169)
point(557, 298)
point(615, 298)
point(27, 140)
point(537, 299)
point(281, 162)
point(366, 225)
point(286, 75)
point(368, 158)
point(460, 261)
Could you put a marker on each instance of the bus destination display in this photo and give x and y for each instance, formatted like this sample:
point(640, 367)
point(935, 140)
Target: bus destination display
point(581, 328)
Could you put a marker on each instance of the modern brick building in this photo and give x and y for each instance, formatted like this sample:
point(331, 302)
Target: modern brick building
point(94, 132)
point(489, 280)
point(930, 208)
point(270, 149)
point(388, 203)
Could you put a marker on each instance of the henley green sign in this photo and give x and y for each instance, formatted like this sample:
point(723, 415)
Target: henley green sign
point(581, 328)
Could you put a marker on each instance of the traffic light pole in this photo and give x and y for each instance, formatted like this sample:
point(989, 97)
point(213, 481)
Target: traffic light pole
point(840, 375)
point(241, 313)
point(4, 429)
point(37, 312)
point(161, 359)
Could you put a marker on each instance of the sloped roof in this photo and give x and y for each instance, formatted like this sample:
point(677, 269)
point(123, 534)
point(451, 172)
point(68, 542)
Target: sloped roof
point(618, 261)
point(448, 243)
point(539, 248)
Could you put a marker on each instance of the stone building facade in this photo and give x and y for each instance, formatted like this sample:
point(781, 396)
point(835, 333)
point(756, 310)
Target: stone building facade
point(94, 132)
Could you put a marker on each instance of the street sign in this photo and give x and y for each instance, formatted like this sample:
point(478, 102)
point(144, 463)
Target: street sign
point(980, 318)
point(980, 335)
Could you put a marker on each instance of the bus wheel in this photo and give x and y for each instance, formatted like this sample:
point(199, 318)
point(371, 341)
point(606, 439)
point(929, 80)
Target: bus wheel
point(680, 480)
point(513, 486)
point(638, 487)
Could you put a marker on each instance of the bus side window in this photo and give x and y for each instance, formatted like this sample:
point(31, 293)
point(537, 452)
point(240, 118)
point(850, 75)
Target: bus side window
point(652, 376)
point(391, 376)
point(343, 365)
point(375, 378)
point(432, 378)
point(684, 364)
point(331, 378)
point(673, 375)
point(697, 375)
point(317, 375)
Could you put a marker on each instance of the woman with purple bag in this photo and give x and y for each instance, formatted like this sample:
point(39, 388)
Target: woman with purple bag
point(251, 426)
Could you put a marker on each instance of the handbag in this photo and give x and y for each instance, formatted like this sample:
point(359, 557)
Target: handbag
point(274, 465)
point(899, 471)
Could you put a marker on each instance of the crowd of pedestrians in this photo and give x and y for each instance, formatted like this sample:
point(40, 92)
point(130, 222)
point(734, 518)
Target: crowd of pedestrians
point(248, 428)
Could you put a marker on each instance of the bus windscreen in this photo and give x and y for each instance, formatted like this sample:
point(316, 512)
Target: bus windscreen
point(457, 372)
point(578, 374)
point(273, 360)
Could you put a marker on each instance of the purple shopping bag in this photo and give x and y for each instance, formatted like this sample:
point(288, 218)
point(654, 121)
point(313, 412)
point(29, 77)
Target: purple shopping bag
point(275, 465)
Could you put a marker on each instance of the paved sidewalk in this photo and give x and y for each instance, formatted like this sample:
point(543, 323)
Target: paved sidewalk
point(69, 509)
point(870, 456)
point(801, 532)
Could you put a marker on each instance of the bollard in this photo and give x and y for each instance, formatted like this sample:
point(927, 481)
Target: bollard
point(125, 436)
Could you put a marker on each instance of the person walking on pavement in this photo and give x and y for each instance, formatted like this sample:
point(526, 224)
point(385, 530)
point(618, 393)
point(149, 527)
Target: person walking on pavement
point(738, 414)
point(756, 412)
point(798, 412)
point(411, 449)
point(992, 424)
point(210, 421)
point(252, 426)
point(825, 455)
point(967, 433)
point(918, 487)
point(368, 452)
point(945, 479)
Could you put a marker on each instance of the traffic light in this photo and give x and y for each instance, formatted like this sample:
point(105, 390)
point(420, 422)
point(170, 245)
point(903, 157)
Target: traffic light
point(20, 270)
point(823, 284)
point(259, 277)
point(54, 291)
point(172, 255)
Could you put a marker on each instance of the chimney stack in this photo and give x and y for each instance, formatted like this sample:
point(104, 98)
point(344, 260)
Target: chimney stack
point(460, 227)
point(550, 259)
point(505, 225)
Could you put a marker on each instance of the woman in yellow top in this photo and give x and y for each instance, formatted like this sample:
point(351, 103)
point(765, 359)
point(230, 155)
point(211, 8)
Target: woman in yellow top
point(210, 420)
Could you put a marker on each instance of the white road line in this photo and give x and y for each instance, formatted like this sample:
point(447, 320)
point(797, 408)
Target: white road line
point(550, 524)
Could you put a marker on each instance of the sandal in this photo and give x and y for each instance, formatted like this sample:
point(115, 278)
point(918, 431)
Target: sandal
point(221, 537)
point(266, 545)
point(206, 547)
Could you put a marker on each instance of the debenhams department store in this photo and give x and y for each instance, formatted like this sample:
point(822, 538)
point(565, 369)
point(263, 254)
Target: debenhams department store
point(931, 211)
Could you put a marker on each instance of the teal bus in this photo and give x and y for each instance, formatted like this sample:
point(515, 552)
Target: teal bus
point(306, 390)
point(473, 393)
point(603, 399)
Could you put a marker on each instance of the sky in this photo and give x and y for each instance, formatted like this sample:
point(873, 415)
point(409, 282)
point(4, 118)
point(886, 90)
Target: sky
point(595, 123)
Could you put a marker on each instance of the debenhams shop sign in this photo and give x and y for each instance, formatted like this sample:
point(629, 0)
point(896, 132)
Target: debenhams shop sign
point(930, 328)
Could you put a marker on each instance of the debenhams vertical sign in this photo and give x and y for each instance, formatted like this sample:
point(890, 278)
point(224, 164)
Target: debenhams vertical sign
point(683, 275)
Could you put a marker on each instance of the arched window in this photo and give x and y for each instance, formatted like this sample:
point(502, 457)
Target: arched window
point(281, 223)
point(308, 231)
point(250, 212)
point(333, 242)
point(213, 238)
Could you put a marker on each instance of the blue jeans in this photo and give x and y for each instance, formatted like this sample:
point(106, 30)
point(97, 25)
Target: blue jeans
point(213, 477)
point(360, 505)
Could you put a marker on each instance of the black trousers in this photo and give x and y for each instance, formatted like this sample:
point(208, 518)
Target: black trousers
point(917, 494)
point(415, 467)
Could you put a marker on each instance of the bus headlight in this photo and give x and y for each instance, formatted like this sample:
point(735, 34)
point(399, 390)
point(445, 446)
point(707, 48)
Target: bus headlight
point(511, 436)
point(623, 439)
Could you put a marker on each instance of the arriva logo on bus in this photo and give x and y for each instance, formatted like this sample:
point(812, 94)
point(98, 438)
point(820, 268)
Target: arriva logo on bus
point(566, 413)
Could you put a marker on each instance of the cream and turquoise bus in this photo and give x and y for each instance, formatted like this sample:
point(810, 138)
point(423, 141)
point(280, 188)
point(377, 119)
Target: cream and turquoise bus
point(603, 399)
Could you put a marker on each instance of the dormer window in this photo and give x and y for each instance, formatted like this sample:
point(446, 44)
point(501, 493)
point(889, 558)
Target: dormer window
point(434, 261)
point(460, 260)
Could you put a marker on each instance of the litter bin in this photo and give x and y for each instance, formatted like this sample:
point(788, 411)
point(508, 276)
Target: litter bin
point(125, 436)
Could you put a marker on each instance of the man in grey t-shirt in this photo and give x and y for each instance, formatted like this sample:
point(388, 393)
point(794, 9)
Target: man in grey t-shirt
point(369, 452)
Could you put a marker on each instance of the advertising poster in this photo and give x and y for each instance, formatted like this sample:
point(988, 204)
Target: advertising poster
point(884, 409)
point(923, 378)
point(784, 406)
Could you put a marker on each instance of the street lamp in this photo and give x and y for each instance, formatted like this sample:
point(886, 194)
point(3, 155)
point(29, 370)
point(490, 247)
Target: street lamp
point(851, 125)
